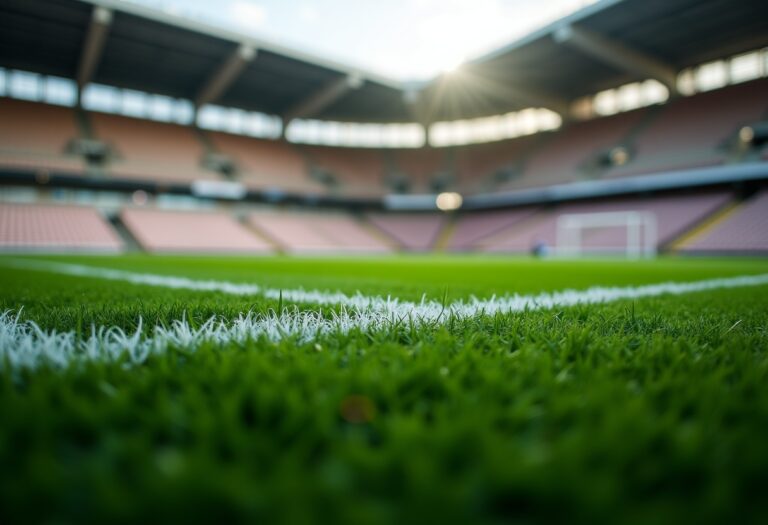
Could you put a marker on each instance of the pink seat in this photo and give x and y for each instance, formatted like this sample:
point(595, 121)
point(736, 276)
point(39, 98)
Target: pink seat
point(478, 163)
point(746, 230)
point(472, 228)
point(560, 158)
point(419, 166)
point(687, 131)
point(267, 164)
point(359, 172)
point(152, 151)
point(35, 136)
point(55, 228)
point(703, 121)
point(191, 231)
point(417, 232)
point(317, 233)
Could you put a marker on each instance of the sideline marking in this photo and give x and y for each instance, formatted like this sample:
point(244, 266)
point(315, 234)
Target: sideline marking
point(425, 309)
point(25, 344)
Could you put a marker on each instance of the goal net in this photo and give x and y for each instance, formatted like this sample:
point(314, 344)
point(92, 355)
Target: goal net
point(633, 233)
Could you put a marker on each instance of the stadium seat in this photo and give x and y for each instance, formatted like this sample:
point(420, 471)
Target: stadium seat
point(317, 233)
point(357, 172)
point(266, 164)
point(420, 167)
point(483, 166)
point(56, 228)
point(568, 154)
point(191, 231)
point(414, 232)
point(743, 231)
point(473, 227)
point(35, 136)
point(152, 151)
point(689, 132)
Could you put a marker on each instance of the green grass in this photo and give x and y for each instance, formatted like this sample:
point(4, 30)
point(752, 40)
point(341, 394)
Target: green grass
point(653, 410)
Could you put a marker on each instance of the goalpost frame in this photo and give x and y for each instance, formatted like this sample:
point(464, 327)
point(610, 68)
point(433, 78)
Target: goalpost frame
point(640, 226)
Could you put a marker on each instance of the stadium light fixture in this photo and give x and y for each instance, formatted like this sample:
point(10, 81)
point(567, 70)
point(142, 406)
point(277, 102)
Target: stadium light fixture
point(449, 201)
point(619, 156)
point(139, 198)
point(747, 134)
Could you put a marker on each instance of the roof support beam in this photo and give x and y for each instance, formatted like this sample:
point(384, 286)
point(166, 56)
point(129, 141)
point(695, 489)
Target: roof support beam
point(419, 109)
point(222, 79)
point(95, 39)
point(418, 106)
point(324, 97)
point(618, 55)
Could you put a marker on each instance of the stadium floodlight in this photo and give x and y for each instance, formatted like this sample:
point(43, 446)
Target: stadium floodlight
point(747, 134)
point(619, 156)
point(139, 198)
point(640, 227)
point(449, 201)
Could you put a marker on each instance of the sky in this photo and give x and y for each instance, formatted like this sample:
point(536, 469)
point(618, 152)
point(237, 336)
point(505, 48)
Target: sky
point(401, 39)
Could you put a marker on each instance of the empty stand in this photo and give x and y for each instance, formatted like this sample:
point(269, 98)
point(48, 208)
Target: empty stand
point(473, 227)
point(743, 231)
point(358, 172)
point(674, 214)
point(420, 166)
point(688, 130)
point(55, 228)
point(317, 233)
point(481, 165)
point(35, 136)
point(152, 151)
point(567, 155)
point(266, 164)
point(414, 232)
point(190, 231)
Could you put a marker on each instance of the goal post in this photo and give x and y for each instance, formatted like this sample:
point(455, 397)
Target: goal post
point(640, 228)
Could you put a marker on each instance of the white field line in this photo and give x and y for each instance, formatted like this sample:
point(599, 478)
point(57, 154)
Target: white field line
point(423, 309)
point(24, 344)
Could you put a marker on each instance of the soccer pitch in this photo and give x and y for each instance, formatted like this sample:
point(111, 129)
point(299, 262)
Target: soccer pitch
point(418, 389)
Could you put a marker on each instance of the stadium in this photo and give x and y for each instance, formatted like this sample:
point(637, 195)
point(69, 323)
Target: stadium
point(244, 280)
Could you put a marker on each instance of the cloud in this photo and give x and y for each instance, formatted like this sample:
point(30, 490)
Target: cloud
point(248, 14)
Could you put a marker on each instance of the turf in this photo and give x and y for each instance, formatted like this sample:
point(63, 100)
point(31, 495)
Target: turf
point(634, 411)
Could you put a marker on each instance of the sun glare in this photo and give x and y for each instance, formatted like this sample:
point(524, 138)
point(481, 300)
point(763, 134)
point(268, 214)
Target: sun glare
point(451, 66)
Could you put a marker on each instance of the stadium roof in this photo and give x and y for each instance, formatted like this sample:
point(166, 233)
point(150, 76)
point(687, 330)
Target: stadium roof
point(603, 46)
point(606, 45)
point(135, 47)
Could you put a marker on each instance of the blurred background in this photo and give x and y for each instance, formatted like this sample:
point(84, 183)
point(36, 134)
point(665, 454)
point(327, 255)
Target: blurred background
point(621, 127)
